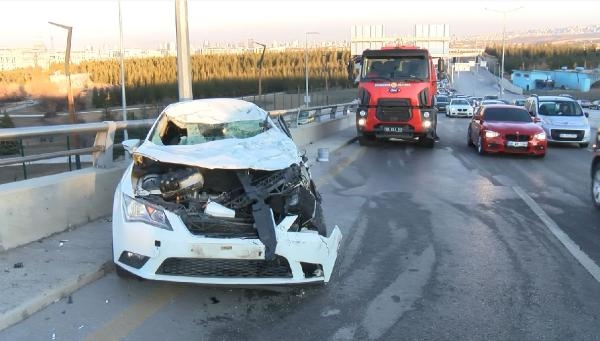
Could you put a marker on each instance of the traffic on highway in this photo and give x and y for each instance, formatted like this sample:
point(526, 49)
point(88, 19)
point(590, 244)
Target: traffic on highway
point(438, 243)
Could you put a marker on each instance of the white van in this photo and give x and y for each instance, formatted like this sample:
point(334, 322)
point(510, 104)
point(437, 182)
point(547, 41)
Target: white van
point(562, 118)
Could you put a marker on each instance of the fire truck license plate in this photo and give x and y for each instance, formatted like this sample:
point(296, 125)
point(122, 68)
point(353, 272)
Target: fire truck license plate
point(392, 129)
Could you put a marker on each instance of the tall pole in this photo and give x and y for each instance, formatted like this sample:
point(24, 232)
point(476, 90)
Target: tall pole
point(260, 64)
point(184, 66)
point(70, 100)
point(306, 98)
point(123, 100)
point(503, 41)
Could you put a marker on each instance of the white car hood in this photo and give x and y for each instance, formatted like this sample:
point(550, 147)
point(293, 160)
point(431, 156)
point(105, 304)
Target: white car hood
point(270, 150)
point(566, 120)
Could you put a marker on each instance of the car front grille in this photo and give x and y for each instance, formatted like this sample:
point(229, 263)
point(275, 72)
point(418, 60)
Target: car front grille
point(220, 227)
point(393, 110)
point(517, 138)
point(555, 133)
point(226, 268)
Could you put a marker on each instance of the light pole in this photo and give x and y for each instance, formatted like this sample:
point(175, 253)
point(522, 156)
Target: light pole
point(306, 98)
point(184, 63)
point(260, 63)
point(123, 101)
point(503, 40)
point(70, 101)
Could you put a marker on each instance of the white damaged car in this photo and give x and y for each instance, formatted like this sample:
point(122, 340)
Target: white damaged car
point(218, 194)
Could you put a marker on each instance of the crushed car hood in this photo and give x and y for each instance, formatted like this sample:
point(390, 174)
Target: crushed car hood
point(270, 150)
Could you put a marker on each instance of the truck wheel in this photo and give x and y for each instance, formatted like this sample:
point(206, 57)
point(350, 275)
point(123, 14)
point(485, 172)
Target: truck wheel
point(427, 142)
point(366, 140)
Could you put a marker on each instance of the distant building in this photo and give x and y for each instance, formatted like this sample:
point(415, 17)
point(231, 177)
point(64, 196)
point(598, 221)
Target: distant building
point(577, 79)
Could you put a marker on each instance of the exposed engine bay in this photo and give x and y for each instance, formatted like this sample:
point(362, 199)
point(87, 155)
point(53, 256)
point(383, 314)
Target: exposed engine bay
point(230, 203)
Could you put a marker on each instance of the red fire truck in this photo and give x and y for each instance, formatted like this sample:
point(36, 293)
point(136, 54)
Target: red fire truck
point(397, 88)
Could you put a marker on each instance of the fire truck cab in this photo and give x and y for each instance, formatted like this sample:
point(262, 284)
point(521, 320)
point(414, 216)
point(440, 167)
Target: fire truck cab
point(396, 90)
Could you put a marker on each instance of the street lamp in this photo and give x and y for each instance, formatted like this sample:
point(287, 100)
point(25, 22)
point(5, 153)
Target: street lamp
point(503, 39)
point(260, 63)
point(70, 101)
point(123, 101)
point(306, 98)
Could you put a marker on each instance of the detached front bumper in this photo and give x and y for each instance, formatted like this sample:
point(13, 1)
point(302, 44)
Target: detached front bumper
point(179, 256)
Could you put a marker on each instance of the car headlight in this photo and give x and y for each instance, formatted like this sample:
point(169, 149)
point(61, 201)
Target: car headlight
point(426, 114)
point(426, 124)
point(362, 113)
point(540, 136)
point(361, 121)
point(138, 210)
point(491, 133)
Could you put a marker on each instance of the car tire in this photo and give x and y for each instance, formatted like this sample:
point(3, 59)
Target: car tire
point(318, 221)
point(595, 188)
point(480, 149)
point(469, 141)
point(124, 274)
point(583, 145)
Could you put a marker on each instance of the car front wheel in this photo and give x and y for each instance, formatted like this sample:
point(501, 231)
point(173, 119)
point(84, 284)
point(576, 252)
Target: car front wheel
point(469, 141)
point(480, 148)
point(596, 186)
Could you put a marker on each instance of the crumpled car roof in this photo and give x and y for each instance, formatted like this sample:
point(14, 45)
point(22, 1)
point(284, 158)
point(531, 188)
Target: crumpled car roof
point(270, 150)
point(214, 111)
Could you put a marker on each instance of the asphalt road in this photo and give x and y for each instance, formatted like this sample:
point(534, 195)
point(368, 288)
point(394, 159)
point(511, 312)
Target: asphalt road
point(438, 244)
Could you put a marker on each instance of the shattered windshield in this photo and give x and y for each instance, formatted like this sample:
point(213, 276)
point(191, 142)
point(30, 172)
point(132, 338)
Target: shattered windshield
point(197, 133)
point(395, 68)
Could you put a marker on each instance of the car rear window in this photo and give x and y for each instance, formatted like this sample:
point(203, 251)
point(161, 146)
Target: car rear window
point(459, 102)
point(506, 114)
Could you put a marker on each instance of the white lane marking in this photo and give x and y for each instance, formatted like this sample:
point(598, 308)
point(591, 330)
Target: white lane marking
point(571, 246)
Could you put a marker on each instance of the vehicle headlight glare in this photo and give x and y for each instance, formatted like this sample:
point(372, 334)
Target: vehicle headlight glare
point(426, 124)
point(361, 121)
point(426, 114)
point(362, 113)
point(137, 210)
point(540, 136)
point(491, 133)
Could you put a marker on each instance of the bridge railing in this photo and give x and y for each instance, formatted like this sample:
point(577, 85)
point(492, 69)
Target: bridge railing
point(103, 146)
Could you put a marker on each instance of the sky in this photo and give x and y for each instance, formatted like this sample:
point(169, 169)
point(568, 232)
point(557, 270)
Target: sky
point(150, 23)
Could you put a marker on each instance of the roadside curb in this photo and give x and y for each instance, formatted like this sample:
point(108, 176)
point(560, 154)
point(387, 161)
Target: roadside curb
point(52, 295)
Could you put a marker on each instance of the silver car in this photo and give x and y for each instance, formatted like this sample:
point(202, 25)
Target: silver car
point(562, 118)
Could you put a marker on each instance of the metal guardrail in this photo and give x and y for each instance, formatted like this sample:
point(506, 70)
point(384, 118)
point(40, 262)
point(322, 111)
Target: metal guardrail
point(103, 146)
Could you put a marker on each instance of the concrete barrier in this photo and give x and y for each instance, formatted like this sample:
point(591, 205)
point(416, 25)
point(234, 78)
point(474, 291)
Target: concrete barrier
point(36, 208)
point(307, 134)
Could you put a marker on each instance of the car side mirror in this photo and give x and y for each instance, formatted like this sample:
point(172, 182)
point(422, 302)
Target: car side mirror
point(131, 145)
point(586, 114)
